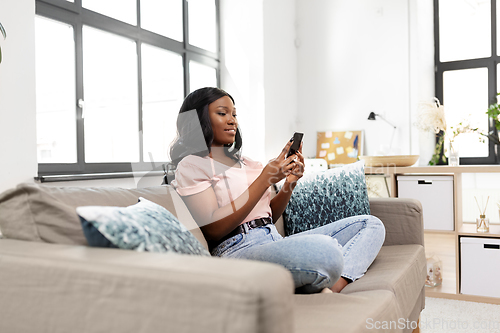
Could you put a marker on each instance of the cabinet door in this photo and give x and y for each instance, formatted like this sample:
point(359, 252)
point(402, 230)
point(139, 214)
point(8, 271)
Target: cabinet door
point(479, 266)
point(435, 193)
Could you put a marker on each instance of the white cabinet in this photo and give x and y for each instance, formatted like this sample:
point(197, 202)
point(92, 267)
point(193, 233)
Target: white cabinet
point(480, 266)
point(465, 265)
point(435, 193)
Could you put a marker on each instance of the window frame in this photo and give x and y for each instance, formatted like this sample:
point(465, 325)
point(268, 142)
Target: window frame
point(77, 16)
point(489, 62)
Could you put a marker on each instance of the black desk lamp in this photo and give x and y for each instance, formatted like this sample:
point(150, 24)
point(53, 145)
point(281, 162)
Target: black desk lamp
point(373, 115)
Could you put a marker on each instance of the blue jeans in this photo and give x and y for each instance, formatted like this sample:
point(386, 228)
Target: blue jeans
point(316, 258)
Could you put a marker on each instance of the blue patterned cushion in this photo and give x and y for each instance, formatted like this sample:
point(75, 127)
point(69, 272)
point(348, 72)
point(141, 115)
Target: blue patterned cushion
point(324, 197)
point(144, 226)
point(94, 236)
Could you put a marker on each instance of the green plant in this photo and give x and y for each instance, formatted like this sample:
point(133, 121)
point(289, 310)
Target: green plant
point(437, 156)
point(4, 36)
point(494, 112)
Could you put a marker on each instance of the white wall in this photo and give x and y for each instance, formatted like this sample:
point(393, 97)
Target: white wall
point(259, 69)
point(305, 65)
point(422, 85)
point(353, 59)
point(356, 57)
point(280, 75)
point(242, 69)
point(17, 94)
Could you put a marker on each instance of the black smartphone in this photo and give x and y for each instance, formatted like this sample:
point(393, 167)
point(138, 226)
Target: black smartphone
point(297, 139)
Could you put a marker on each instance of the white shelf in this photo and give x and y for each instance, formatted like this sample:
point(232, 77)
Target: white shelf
point(446, 243)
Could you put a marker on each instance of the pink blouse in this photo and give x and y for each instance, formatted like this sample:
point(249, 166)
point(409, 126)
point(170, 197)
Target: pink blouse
point(195, 174)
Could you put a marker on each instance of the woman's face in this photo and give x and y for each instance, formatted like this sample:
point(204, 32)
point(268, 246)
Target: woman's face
point(222, 115)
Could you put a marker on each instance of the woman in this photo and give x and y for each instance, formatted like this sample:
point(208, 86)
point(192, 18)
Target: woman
point(229, 196)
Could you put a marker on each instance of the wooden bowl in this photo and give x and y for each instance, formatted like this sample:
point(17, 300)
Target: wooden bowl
point(391, 160)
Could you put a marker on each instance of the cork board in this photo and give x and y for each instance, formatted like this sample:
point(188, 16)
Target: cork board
point(339, 147)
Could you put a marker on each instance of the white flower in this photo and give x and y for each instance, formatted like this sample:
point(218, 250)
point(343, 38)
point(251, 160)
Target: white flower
point(431, 116)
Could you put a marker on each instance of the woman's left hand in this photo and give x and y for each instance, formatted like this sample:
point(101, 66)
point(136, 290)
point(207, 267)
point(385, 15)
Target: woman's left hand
point(298, 169)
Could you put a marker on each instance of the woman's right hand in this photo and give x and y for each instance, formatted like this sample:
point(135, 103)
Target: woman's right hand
point(280, 167)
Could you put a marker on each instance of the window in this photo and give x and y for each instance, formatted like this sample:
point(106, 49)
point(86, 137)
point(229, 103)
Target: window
point(111, 77)
point(467, 58)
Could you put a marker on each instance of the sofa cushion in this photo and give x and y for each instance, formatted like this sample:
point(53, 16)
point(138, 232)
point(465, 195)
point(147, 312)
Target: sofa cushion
point(144, 226)
point(402, 219)
point(366, 311)
point(400, 269)
point(324, 197)
point(42, 213)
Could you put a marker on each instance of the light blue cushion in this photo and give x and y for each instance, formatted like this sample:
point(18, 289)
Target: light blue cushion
point(144, 226)
point(327, 196)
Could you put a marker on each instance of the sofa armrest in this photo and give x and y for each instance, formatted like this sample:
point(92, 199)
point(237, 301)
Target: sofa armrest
point(402, 218)
point(67, 288)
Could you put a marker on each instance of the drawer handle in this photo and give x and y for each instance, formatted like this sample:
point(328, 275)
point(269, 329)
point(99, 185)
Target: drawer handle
point(424, 182)
point(492, 246)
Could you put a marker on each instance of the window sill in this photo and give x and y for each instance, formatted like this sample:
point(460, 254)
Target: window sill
point(94, 176)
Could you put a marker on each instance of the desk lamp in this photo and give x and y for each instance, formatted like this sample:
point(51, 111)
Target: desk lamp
point(373, 115)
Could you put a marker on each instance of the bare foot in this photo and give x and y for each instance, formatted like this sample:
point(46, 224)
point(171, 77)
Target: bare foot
point(339, 285)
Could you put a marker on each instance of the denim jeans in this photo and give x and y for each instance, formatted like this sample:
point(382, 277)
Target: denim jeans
point(317, 258)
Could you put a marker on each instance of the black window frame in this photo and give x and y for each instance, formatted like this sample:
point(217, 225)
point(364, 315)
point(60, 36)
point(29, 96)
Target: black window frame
point(489, 62)
point(77, 16)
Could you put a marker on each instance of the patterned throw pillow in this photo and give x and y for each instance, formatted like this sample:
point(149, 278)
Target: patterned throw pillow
point(324, 197)
point(144, 226)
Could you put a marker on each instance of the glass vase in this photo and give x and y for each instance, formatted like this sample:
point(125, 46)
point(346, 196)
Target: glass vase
point(482, 224)
point(453, 158)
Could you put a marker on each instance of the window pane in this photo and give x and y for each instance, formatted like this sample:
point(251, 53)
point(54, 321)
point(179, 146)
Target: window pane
point(111, 102)
point(163, 17)
point(201, 76)
point(163, 91)
point(465, 98)
point(202, 24)
point(123, 10)
point(464, 29)
point(55, 92)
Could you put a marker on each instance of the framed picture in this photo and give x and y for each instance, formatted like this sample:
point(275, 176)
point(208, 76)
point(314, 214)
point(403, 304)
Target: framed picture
point(378, 186)
point(339, 147)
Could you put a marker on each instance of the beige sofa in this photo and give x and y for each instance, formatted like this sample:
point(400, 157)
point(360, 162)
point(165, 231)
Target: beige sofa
point(50, 281)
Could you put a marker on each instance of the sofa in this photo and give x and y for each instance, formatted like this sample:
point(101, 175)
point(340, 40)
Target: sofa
point(52, 281)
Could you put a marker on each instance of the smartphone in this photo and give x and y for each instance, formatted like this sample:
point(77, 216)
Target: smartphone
point(297, 139)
